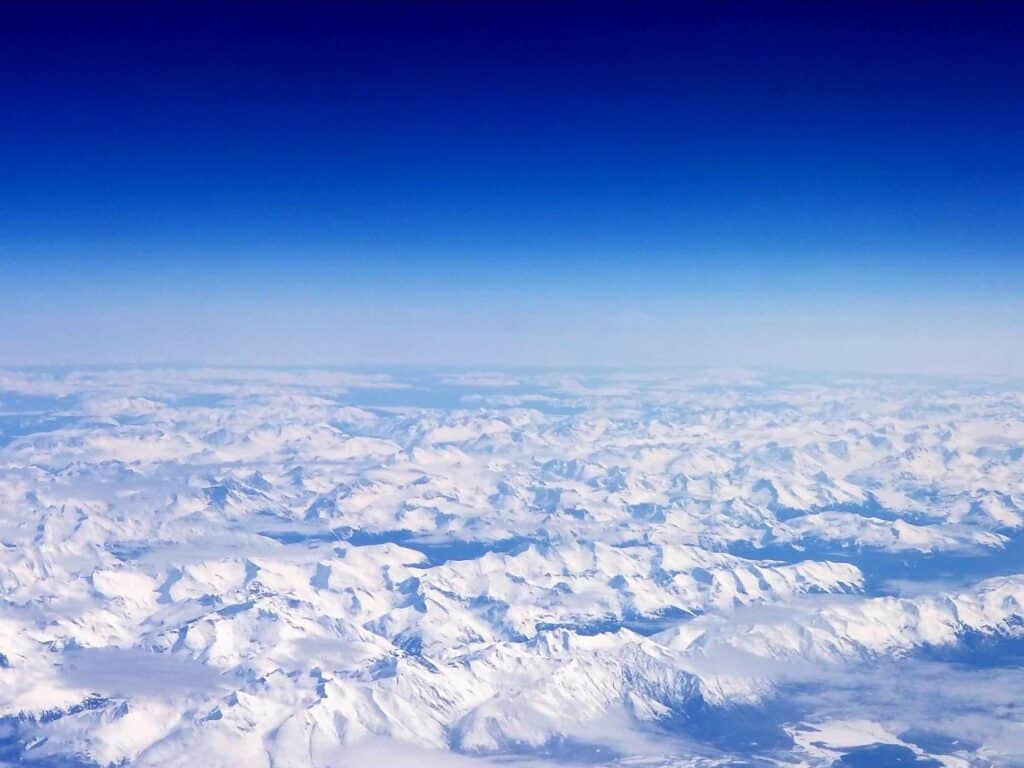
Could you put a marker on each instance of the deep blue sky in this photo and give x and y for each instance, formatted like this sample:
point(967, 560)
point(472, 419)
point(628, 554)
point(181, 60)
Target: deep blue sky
point(811, 185)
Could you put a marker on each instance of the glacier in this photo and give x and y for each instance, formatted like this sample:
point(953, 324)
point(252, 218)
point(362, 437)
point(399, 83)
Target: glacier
point(326, 567)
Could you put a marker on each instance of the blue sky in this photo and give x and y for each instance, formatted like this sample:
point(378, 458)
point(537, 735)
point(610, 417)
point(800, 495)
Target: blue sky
point(793, 185)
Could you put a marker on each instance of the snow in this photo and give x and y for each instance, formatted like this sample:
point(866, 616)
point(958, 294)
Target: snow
point(262, 567)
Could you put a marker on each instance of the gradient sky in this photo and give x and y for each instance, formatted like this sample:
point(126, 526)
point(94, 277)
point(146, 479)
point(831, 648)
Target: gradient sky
point(811, 185)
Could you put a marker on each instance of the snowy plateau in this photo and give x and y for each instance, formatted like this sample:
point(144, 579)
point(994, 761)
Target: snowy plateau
point(288, 568)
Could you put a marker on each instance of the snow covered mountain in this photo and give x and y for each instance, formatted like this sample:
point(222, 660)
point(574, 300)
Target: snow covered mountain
point(326, 568)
